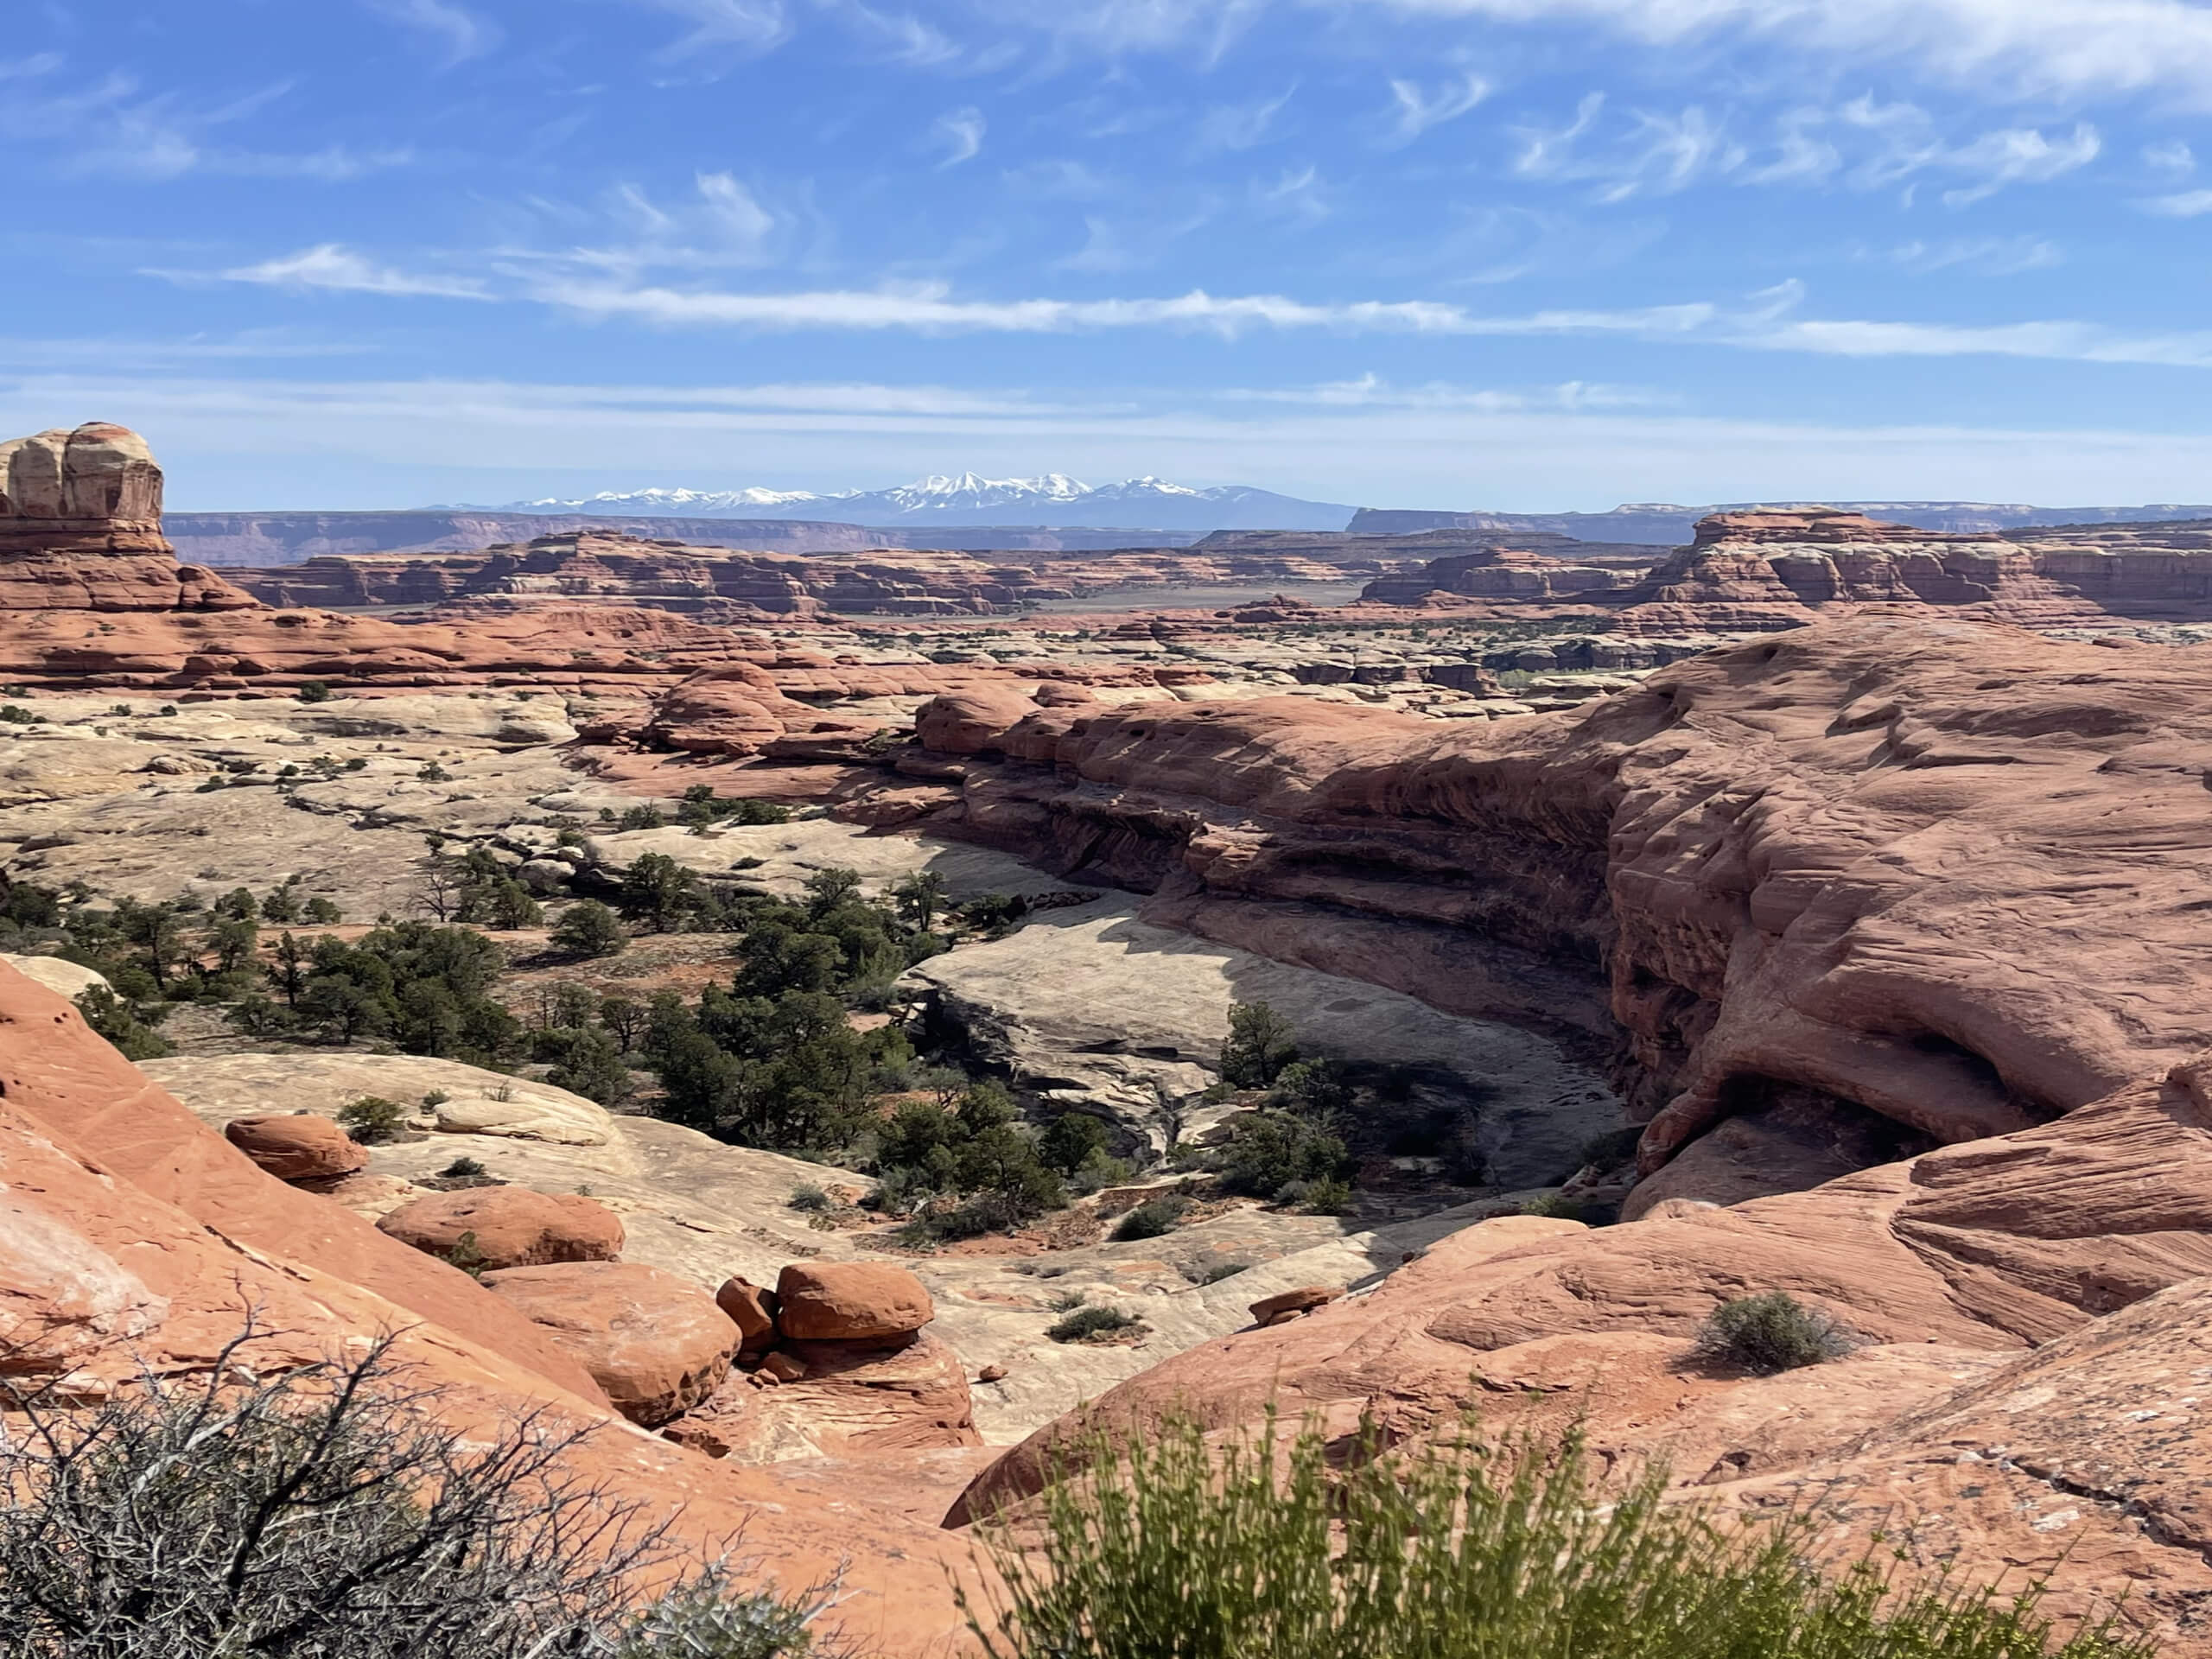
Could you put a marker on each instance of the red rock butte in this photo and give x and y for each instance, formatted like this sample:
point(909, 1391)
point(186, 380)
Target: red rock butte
point(80, 529)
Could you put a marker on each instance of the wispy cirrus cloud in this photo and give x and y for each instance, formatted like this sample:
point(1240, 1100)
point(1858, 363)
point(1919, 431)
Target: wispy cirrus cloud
point(458, 31)
point(1861, 144)
point(958, 135)
point(332, 268)
point(2186, 204)
point(1416, 109)
point(745, 27)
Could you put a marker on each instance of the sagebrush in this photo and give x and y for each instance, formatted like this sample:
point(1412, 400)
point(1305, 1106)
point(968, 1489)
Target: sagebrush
point(1281, 1546)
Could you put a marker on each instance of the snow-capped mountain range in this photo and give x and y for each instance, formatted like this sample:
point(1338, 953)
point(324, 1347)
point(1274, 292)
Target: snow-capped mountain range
point(1053, 498)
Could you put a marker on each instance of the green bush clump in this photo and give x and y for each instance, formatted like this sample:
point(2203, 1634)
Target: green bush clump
point(1176, 1548)
point(1088, 1324)
point(1150, 1219)
point(808, 1198)
point(589, 928)
point(127, 1025)
point(372, 1120)
point(1769, 1334)
point(1275, 1151)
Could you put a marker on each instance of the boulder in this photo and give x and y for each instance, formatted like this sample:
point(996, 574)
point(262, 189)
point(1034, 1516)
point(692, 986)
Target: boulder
point(655, 1343)
point(513, 1226)
point(752, 1308)
point(844, 1301)
point(301, 1148)
point(839, 1399)
point(1291, 1303)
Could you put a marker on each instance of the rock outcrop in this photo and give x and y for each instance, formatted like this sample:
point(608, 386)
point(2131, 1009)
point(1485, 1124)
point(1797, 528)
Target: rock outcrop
point(849, 1301)
point(1761, 571)
point(80, 529)
point(1851, 859)
point(132, 1237)
point(2029, 1304)
point(504, 1226)
point(656, 1345)
point(300, 1146)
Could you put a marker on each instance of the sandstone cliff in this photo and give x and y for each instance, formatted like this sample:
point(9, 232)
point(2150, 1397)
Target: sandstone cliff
point(80, 529)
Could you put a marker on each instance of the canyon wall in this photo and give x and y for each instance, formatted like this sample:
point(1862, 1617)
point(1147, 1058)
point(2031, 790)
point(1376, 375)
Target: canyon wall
point(1938, 873)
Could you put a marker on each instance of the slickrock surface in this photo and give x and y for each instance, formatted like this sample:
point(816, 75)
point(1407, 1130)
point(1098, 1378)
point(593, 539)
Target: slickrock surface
point(133, 1235)
point(1941, 871)
point(846, 1399)
point(2076, 1458)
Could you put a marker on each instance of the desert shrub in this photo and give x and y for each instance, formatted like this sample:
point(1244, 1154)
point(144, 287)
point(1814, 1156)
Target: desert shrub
point(809, 1198)
point(463, 1169)
point(123, 1023)
point(1085, 1324)
point(467, 1254)
point(1177, 1549)
point(1260, 1045)
point(1276, 1150)
point(1070, 1140)
point(1769, 1334)
point(589, 928)
point(1150, 1219)
point(1100, 1169)
point(327, 1510)
point(314, 692)
point(1215, 1272)
point(1327, 1197)
point(372, 1120)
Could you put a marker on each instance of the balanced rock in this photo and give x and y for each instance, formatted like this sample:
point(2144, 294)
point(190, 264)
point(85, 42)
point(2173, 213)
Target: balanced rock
point(850, 1301)
point(305, 1146)
point(657, 1345)
point(752, 1307)
point(513, 1226)
point(1289, 1304)
point(838, 1399)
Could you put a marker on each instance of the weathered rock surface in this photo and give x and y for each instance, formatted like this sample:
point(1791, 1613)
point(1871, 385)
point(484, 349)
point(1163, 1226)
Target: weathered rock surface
point(80, 529)
point(656, 1345)
point(68, 979)
point(299, 1147)
point(1094, 1008)
point(131, 1236)
point(1975, 1256)
point(1851, 859)
point(849, 1301)
point(508, 1226)
point(850, 1399)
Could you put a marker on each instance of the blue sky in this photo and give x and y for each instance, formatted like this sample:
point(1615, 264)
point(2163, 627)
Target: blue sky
point(1521, 254)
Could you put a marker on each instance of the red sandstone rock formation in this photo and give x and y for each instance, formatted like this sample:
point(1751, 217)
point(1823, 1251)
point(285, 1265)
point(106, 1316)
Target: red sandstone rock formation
point(132, 1235)
point(1758, 572)
point(1852, 859)
point(656, 1345)
point(80, 529)
point(306, 1147)
point(508, 1226)
point(850, 1301)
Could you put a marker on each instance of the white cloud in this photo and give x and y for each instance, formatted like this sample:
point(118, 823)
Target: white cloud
point(2019, 155)
point(1417, 109)
point(2173, 156)
point(905, 39)
point(2078, 48)
point(1241, 126)
point(1371, 391)
point(743, 26)
point(1299, 194)
point(959, 134)
point(2188, 204)
point(1994, 256)
point(338, 269)
point(464, 34)
point(1863, 144)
